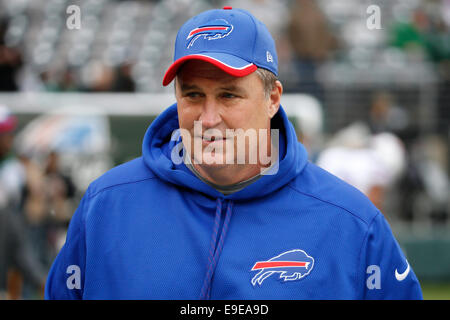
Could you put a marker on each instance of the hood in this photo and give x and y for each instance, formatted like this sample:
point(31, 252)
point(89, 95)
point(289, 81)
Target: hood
point(157, 147)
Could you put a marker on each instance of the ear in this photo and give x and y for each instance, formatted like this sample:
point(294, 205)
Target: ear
point(275, 98)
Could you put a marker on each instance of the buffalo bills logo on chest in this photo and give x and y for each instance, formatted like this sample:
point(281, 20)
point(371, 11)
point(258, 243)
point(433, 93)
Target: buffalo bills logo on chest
point(215, 29)
point(290, 265)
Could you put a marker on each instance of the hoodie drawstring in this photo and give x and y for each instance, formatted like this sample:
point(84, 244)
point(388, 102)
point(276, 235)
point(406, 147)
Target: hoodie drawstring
point(215, 247)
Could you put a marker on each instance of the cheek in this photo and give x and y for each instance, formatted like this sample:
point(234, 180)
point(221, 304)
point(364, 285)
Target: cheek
point(186, 117)
point(254, 115)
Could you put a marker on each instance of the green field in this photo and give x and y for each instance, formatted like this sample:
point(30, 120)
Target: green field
point(436, 291)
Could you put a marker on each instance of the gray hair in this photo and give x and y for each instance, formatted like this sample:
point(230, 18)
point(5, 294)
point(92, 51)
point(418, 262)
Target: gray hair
point(268, 79)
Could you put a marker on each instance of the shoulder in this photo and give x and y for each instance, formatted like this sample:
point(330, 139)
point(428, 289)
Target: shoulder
point(131, 172)
point(320, 185)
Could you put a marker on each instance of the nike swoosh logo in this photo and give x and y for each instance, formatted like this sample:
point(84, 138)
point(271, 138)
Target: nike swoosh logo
point(402, 276)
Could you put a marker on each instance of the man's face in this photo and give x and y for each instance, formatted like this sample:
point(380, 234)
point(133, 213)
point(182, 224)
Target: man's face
point(222, 103)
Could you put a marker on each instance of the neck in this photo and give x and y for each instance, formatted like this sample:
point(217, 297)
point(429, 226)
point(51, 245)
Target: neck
point(229, 174)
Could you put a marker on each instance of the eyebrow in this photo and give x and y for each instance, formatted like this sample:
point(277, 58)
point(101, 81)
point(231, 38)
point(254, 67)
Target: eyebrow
point(232, 88)
point(187, 87)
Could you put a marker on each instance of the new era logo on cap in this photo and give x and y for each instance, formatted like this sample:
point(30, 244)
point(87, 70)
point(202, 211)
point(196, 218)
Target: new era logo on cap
point(231, 39)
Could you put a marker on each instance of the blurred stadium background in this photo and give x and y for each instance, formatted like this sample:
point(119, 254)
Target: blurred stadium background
point(369, 95)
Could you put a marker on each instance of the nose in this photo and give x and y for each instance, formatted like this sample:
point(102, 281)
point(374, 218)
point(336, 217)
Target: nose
point(210, 115)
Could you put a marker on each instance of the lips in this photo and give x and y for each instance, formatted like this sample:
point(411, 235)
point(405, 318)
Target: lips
point(206, 140)
point(212, 138)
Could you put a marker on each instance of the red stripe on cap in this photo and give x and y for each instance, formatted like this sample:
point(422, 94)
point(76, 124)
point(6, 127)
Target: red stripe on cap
point(198, 30)
point(277, 264)
point(236, 72)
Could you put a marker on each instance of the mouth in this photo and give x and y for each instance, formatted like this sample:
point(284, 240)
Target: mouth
point(213, 141)
point(212, 138)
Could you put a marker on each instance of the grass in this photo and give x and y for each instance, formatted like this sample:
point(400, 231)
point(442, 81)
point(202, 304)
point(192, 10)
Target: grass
point(436, 291)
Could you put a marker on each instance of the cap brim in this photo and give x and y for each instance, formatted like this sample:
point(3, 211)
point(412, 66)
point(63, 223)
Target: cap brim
point(232, 65)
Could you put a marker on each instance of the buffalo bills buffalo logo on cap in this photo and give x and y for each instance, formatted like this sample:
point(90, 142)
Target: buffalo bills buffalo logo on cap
point(212, 30)
point(291, 265)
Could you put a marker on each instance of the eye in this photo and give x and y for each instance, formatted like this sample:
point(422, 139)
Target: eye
point(228, 95)
point(193, 94)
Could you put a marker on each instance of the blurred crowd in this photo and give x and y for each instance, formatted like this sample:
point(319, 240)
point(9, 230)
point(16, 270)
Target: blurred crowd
point(379, 141)
point(35, 209)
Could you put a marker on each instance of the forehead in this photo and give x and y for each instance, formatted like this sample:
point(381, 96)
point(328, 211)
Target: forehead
point(197, 69)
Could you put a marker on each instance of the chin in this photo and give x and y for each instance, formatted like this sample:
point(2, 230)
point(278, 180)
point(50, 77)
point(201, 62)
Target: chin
point(211, 160)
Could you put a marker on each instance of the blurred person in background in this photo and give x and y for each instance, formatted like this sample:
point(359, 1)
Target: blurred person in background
point(96, 76)
point(426, 190)
point(46, 210)
point(439, 36)
point(426, 35)
point(68, 81)
point(123, 81)
point(424, 176)
point(312, 42)
point(385, 115)
point(35, 216)
point(411, 35)
point(16, 258)
point(370, 162)
point(12, 173)
point(60, 190)
point(10, 62)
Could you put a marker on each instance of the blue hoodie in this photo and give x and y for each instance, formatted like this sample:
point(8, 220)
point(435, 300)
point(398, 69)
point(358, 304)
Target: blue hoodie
point(150, 229)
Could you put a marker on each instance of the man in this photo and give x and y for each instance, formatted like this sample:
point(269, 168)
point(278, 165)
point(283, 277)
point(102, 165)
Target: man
point(12, 173)
point(213, 209)
point(16, 256)
point(372, 163)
